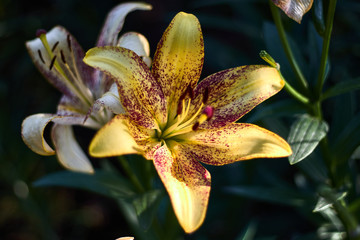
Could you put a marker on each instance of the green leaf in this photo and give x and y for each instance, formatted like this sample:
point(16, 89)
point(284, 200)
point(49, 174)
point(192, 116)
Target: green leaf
point(271, 194)
point(324, 203)
point(146, 206)
point(348, 140)
point(318, 17)
point(305, 135)
point(249, 232)
point(341, 88)
point(101, 182)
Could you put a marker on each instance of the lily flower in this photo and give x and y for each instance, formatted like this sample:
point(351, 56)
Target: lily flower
point(89, 99)
point(177, 123)
point(294, 9)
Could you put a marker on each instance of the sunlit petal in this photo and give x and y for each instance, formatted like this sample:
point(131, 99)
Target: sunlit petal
point(115, 21)
point(234, 92)
point(179, 57)
point(113, 139)
point(68, 151)
point(235, 142)
point(187, 182)
point(295, 9)
point(137, 43)
point(140, 94)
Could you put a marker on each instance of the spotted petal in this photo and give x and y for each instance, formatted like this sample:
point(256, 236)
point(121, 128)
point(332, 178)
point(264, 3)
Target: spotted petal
point(113, 139)
point(179, 57)
point(140, 94)
point(234, 92)
point(115, 21)
point(295, 9)
point(68, 151)
point(187, 182)
point(235, 142)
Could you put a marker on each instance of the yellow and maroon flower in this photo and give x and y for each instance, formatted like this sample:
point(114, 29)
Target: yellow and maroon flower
point(177, 123)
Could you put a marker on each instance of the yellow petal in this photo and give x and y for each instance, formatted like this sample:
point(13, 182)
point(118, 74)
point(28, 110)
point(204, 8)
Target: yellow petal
point(179, 56)
point(295, 9)
point(113, 139)
point(234, 92)
point(235, 142)
point(187, 182)
point(139, 93)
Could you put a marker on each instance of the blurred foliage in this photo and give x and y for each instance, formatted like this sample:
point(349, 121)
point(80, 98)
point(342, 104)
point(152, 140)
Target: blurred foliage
point(259, 199)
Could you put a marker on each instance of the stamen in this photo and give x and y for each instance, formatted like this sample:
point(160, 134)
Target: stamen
point(41, 57)
point(206, 95)
point(54, 47)
point(190, 91)
point(62, 56)
point(69, 42)
point(180, 107)
point(40, 32)
point(52, 63)
point(195, 126)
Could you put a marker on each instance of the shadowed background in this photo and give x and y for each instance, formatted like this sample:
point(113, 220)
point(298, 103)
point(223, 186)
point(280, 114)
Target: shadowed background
point(234, 33)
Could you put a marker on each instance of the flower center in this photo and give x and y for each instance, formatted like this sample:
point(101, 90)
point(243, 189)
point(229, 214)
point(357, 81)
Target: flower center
point(66, 68)
point(181, 123)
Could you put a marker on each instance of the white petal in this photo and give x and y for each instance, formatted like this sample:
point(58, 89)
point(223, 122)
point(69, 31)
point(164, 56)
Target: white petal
point(69, 153)
point(32, 133)
point(137, 43)
point(110, 100)
point(115, 21)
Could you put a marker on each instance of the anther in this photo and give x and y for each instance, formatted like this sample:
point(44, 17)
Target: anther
point(54, 47)
point(52, 63)
point(69, 42)
point(62, 56)
point(206, 95)
point(195, 126)
point(190, 91)
point(41, 57)
point(180, 107)
point(40, 32)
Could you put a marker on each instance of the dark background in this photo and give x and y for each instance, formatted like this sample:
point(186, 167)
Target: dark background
point(233, 35)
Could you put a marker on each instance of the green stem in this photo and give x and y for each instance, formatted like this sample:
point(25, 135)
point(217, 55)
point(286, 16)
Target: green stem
point(125, 165)
point(285, 43)
point(325, 47)
point(298, 96)
point(348, 220)
point(292, 91)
